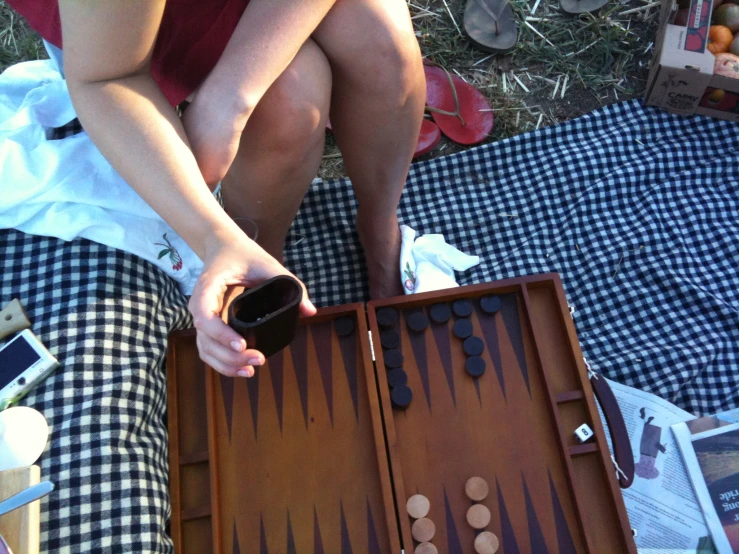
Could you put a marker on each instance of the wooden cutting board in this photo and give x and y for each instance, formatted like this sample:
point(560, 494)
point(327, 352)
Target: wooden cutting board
point(20, 528)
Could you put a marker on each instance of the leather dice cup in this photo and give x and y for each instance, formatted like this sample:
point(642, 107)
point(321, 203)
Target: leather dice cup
point(267, 315)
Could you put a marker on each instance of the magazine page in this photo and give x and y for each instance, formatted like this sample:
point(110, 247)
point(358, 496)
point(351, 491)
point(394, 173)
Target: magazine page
point(661, 503)
point(710, 447)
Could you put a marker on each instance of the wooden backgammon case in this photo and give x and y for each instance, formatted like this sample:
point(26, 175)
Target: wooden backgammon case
point(310, 456)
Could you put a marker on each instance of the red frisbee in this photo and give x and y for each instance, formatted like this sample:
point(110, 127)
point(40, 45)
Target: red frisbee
point(474, 121)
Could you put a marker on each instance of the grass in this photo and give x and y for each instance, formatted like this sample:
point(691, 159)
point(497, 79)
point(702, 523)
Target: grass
point(18, 43)
point(562, 66)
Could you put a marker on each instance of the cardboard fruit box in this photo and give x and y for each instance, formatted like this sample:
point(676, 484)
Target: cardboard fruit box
point(682, 78)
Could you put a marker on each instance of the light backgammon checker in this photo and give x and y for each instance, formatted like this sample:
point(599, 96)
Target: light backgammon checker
point(313, 456)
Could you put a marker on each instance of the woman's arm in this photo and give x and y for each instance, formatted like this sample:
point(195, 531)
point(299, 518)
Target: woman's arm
point(107, 54)
point(264, 43)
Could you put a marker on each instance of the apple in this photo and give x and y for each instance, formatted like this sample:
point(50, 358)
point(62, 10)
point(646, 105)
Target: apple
point(716, 96)
point(727, 65)
point(728, 16)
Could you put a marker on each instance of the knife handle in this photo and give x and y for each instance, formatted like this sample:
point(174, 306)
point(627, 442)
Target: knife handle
point(26, 496)
point(12, 319)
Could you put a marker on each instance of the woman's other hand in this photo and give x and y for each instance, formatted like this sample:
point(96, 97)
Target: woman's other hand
point(231, 262)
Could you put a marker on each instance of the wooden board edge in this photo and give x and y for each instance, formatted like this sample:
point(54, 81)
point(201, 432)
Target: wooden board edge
point(215, 486)
point(175, 523)
point(606, 462)
point(391, 438)
point(22, 527)
point(502, 287)
point(556, 420)
point(34, 516)
point(379, 430)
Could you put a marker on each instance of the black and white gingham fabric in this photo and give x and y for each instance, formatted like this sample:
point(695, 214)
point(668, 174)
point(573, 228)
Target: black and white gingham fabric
point(105, 315)
point(637, 209)
point(67, 130)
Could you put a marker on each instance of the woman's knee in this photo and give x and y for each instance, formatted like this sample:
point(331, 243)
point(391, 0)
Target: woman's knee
point(400, 74)
point(373, 44)
point(292, 114)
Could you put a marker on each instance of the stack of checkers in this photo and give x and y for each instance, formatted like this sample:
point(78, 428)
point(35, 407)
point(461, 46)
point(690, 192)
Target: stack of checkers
point(397, 379)
point(423, 529)
point(473, 346)
point(478, 516)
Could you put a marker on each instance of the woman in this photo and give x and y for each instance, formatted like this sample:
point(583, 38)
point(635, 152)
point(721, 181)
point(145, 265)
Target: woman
point(263, 76)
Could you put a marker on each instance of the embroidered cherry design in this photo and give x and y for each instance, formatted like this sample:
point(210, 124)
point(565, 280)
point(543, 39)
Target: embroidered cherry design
point(170, 251)
point(410, 282)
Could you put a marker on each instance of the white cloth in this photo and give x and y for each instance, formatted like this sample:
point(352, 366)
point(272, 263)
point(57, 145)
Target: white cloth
point(66, 188)
point(428, 263)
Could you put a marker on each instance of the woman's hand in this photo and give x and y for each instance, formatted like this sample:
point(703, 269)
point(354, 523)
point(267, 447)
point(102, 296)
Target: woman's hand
point(213, 122)
point(230, 262)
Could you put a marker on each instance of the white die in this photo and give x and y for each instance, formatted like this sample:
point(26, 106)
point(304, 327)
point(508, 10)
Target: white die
point(583, 433)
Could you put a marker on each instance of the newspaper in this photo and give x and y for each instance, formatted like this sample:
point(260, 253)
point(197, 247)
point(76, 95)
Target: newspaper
point(710, 448)
point(662, 506)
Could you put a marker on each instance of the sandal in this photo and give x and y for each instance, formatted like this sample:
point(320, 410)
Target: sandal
point(428, 138)
point(462, 113)
point(490, 24)
point(581, 6)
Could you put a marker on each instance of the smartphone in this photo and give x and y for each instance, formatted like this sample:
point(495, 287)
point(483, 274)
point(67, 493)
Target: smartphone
point(24, 363)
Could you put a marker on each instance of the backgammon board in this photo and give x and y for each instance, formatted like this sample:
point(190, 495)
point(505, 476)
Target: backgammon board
point(320, 451)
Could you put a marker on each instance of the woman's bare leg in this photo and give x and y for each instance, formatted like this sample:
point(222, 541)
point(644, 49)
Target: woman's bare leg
point(377, 106)
point(281, 149)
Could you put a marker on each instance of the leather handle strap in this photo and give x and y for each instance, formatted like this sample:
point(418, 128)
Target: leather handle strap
point(622, 451)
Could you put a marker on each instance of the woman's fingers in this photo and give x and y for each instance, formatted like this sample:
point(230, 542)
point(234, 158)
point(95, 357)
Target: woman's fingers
point(307, 308)
point(232, 292)
point(226, 361)
point(249, 357)
point(205, 306)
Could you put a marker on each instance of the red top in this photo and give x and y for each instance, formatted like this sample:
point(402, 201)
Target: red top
point(191, 38)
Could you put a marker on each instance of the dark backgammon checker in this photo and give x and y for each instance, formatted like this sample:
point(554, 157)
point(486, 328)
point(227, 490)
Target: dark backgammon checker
point(440, 313)
point(393, 358)
point(462, 328)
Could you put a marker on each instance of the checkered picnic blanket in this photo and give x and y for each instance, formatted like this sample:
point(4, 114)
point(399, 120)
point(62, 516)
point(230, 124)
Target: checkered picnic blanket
point(638, 211)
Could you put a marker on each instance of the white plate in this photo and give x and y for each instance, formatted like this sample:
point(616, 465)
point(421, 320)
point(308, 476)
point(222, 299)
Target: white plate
point(23, 436)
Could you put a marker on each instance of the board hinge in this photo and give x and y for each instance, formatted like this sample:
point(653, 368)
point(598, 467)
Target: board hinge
point(372, 346)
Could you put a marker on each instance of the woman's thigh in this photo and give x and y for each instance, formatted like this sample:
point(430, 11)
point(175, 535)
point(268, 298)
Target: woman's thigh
point(368, 38)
